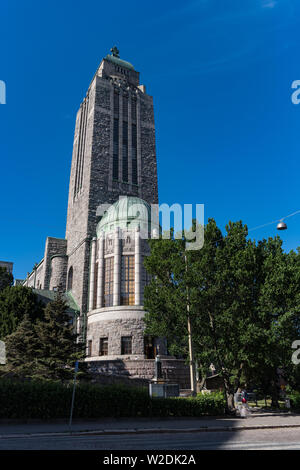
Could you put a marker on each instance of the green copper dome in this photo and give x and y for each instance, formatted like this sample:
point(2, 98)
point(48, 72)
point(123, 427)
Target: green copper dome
point(126, 212)
point(117, 61)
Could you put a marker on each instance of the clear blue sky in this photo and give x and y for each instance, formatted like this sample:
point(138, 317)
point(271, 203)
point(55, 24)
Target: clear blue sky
point(220, 73)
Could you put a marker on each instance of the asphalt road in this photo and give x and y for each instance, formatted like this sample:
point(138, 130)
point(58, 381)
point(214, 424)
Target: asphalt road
point(259, 439)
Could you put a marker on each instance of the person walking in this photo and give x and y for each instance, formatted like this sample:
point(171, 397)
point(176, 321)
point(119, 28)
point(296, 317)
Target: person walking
point(244, 396)
point(244, 410)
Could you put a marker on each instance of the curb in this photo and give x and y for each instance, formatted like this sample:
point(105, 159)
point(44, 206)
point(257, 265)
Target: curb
point(103, 432)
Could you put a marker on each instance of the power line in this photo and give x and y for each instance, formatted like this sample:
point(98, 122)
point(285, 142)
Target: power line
point(273, 222)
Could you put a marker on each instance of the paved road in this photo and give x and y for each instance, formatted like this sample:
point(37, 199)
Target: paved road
point(266, 439)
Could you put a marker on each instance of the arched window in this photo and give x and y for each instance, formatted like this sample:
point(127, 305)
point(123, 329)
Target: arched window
point(70, 278)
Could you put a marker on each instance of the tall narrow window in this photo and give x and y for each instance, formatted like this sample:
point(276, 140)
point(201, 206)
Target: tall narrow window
point(70, 278)
point(125, 107)
point(81, 145)
point(127, 280)
point(133, 109)
point(103, 347)
point(89, 348)
point(116, 103)
point(126, 345)
point(116, 149)
point(125, 151)
point(146, 279)
point(134, 154)
point(95, 286)
point(108, 281)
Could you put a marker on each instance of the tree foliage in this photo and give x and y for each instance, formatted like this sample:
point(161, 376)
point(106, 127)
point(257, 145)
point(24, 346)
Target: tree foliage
point(15, 303)
point(243, 300)
point(58, 348)
point(46, 348)
point(6, 278)
point(21, 348)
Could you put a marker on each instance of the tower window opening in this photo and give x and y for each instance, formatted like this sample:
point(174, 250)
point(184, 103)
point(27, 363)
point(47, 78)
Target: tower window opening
point(116, 149)
point(133, 110)
point(125, 107)
point(70, 279)
point(134, 154)
point(125, 151)
point(116, 103)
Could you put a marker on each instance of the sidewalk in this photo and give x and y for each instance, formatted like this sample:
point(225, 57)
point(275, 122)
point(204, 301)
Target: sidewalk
point(154, 425)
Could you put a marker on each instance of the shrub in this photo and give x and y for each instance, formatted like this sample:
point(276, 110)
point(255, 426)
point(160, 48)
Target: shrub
point(295, 400)
point(50, 400)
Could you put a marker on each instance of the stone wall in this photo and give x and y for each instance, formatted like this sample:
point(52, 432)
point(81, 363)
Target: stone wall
point(114, 330)
point(174, 370)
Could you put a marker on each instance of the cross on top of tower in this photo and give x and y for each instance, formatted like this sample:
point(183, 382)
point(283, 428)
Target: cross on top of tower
point(115, 51)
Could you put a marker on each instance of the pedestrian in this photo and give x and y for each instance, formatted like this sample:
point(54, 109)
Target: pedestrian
point(244, 396)
point(244, 410)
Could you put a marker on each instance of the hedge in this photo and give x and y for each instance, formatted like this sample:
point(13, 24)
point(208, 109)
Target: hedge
point(295, 400)
point(52, 400)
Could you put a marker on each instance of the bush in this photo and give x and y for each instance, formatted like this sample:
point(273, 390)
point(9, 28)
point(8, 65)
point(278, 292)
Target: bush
point(295, 400)
point(50, 400)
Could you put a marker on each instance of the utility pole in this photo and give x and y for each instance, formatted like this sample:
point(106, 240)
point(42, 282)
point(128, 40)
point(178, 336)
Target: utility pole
point(73, 394)
point(191, 353)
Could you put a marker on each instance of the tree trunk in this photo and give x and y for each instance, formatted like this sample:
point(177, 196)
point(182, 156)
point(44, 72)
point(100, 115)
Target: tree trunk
point(274, 396)
point(274, 391)
point(229, 394)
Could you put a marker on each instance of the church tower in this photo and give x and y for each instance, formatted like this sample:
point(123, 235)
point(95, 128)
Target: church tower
point(99, 265)
point(113, 156)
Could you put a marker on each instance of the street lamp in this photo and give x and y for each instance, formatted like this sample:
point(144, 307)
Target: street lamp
point(281, 225)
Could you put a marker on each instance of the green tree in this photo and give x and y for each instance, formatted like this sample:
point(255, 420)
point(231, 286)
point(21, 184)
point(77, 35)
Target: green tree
point(242, 299)
point(21, 348)
point(15, 303)
point(277, 318)
point(58, 348)
point(6, 278)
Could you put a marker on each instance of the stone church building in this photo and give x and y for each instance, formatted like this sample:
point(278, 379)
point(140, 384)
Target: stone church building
point(99, 263)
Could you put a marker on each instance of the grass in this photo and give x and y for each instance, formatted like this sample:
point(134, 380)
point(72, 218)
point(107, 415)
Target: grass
point(266, 404)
